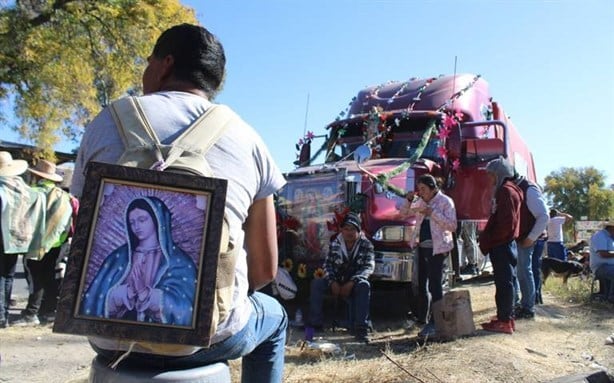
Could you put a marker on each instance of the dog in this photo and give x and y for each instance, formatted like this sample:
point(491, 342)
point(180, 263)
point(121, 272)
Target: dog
point(564, 269)
point(578, 246)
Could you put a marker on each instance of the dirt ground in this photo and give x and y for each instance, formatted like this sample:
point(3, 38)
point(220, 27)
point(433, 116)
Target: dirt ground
point(565, 338)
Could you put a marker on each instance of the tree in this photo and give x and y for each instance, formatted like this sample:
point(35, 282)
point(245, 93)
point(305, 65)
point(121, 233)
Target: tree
point(580, 192)
point(61, 61)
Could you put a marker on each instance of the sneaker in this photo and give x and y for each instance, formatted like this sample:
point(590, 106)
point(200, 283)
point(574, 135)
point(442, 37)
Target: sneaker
point(522, 313)
point(362, 335)
point(471, 269)
point(499, 326)
point(495, 318)
point(47, 318)
point(427, 331)
point(27, 320)
point(4, 324)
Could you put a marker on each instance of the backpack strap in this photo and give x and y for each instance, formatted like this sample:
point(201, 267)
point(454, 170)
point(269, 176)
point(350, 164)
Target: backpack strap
point(137, 133)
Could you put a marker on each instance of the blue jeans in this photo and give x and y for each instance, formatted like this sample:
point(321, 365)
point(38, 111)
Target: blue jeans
point(8, 263)
point(525, 284)
point(606, 272)
point(536, 264)
point(261, 344)
point(557, 250)
point(358, 303)
point(503, 259)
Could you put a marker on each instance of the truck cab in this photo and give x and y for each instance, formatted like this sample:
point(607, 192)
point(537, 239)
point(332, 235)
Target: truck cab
point(447, 126)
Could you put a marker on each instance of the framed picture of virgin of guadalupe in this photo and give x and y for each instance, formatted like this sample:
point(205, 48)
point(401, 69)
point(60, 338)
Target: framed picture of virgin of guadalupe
point(143, 258)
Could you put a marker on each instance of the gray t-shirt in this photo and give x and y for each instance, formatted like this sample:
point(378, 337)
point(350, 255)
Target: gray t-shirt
point(239, 156)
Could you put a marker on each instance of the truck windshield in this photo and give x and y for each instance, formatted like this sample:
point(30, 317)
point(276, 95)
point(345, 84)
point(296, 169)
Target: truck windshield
point(401, 142)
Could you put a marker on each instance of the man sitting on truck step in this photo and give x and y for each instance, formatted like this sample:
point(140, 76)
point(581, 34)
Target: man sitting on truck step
point(349, 263)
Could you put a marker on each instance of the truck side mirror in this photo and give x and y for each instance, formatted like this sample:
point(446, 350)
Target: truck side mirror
point(304, 155)
point(362, 153)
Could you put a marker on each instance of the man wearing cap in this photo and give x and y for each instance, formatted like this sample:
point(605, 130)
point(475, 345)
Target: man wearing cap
point(349, 263)
point(602, 256)
point(21, 210)
point(39, 262)
point(498, 240)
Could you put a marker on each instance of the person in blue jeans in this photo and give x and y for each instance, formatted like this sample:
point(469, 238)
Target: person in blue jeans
point(498, 240)
point(533, 222)
point(536, 264)
point(261, 343)
point(184, 72)
point(348, 265)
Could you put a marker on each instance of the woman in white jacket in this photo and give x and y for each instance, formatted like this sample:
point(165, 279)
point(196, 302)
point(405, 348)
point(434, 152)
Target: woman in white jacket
point(435, 223)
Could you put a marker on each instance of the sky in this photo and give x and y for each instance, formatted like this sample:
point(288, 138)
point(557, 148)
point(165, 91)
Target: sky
point(293, 66)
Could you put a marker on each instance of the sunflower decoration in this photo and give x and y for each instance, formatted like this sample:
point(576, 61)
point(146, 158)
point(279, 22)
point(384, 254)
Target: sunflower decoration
point(287, 264)
point(319, 273)
point(302, 270)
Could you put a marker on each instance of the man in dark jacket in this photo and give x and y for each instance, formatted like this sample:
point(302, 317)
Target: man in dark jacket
point(498, 241)
point(349, 264)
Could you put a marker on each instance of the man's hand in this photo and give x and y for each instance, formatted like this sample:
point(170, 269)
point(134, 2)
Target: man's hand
point(346, 289)
point(527, 242)
point(335, 289)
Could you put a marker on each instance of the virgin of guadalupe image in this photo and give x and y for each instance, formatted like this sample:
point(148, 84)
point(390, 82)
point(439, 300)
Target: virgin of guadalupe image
point(147, 279)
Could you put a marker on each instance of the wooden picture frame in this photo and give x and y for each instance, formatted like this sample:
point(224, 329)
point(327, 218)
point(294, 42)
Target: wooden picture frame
point(124, 282)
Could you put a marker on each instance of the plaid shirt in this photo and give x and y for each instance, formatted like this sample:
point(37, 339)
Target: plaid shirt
point(355, 264)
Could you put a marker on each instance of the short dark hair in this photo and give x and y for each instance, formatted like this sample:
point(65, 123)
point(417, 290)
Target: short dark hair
point(553, 213)
point(428, 180)
point(198, 54)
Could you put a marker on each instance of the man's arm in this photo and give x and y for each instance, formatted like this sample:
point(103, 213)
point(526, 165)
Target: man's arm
point(537, 207)
point(568, 217)
point(606, 253)
point(261, 243)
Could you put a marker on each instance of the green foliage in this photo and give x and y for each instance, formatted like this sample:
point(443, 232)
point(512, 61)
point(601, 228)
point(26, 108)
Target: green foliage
point(579, 192)
point(62, 61)
point(577, 290)
point(600, 203)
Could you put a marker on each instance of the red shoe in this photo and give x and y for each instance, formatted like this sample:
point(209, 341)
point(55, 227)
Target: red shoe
point(495, 318)
point(503, 326)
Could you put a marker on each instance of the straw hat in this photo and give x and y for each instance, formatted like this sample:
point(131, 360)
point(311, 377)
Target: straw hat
point(46, 169)
point(11, 167)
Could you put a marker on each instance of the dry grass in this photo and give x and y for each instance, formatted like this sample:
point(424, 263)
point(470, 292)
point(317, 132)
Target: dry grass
point(566, 338)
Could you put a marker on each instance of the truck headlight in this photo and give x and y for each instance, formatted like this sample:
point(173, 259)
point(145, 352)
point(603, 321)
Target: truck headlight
point(394, 233)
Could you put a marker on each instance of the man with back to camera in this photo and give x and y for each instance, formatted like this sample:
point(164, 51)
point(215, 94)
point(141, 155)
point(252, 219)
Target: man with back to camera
point(556, 248)
point(184, 72)
point(21, 212)
point(533, 221)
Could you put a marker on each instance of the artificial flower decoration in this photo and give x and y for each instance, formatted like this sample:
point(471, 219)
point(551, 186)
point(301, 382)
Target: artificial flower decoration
point(290, 223)
point(449, 121)
point(455, 164)
point(287, 264)
point(319, 273)
point(302, 270)
point(442, 151)
point(444, 132)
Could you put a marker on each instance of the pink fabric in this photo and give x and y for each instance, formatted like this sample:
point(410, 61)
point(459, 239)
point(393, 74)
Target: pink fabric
point(443, 222)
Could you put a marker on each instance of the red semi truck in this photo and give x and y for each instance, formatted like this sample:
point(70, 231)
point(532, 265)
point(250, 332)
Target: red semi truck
point(391, 134)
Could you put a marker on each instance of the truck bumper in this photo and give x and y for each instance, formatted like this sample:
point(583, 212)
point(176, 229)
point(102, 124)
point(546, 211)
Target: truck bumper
point(393, 266)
